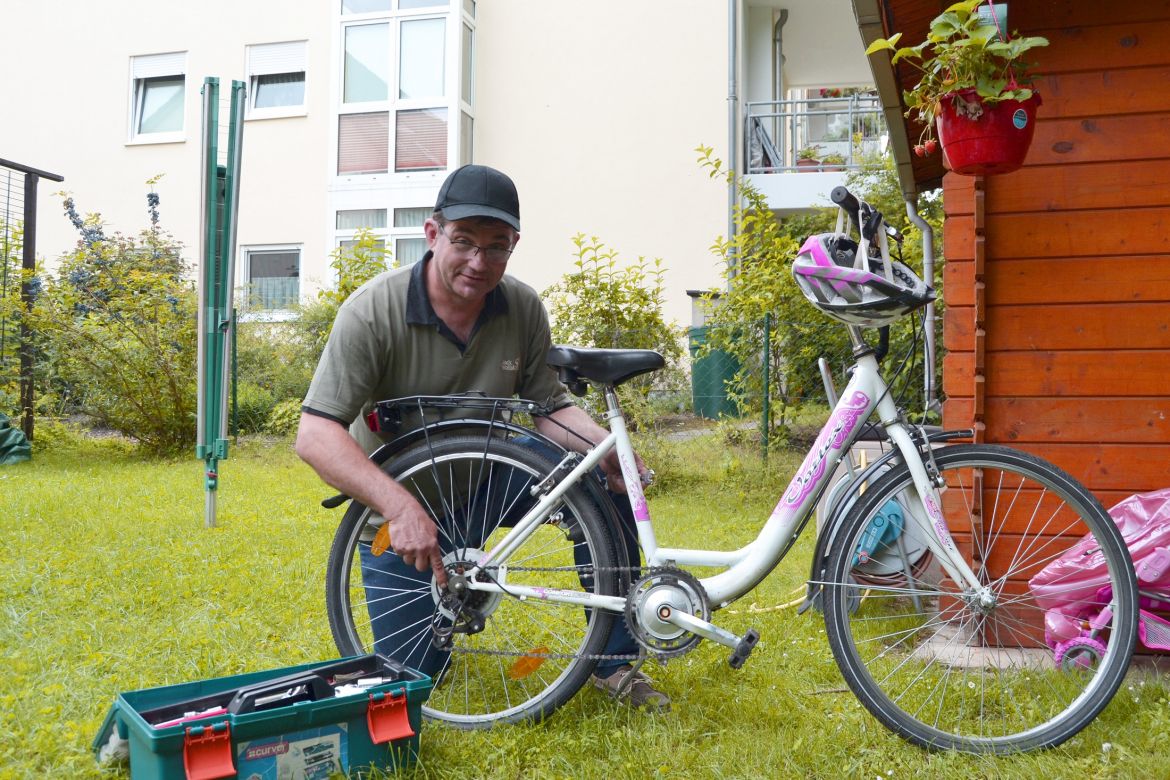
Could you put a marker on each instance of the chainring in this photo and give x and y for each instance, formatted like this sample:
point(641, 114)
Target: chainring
point(665, 586)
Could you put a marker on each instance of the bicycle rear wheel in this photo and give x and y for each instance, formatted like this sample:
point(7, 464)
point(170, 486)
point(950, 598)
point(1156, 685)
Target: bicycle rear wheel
point(943, 669)
point(527, 657)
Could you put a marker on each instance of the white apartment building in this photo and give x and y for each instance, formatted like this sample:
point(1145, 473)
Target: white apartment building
point(357, 109)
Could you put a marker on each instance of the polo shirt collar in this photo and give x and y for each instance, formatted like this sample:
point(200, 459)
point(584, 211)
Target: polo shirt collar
point(419, 310)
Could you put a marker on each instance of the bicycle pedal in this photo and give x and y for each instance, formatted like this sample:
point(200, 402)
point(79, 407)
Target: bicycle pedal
point(741, 652)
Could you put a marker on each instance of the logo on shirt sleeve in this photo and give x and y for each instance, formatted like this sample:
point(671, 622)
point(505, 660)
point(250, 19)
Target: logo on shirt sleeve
point(510, 365)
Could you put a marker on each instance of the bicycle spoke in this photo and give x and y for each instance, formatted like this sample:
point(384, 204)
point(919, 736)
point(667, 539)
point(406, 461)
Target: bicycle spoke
point(971, 670)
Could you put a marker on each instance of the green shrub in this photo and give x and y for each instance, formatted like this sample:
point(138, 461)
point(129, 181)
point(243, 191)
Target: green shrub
point(604, 303)
point(253, 406)
point(284, 417)
point(116, 328)
point(276, 360)
point(759, 284)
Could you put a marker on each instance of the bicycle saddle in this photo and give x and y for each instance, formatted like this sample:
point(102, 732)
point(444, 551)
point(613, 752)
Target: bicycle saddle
point(605, 366)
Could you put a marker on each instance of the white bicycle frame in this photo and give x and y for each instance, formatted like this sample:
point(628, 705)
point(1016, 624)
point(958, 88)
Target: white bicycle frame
point(866, 393)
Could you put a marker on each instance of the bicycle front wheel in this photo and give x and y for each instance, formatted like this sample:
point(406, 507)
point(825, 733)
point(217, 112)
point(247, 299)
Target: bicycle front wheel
point(510, 659)
point(945, 667)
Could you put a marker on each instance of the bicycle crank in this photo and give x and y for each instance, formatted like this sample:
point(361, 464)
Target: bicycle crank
point(667, 613)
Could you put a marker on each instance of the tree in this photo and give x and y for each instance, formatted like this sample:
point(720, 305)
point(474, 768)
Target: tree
point(276, 360)
point(759, 284)
point(608, 304)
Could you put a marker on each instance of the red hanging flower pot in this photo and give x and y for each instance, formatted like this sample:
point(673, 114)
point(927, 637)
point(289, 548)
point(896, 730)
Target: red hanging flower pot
point(982, 139)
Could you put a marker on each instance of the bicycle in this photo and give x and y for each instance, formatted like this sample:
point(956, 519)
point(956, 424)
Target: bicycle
point(947, 653)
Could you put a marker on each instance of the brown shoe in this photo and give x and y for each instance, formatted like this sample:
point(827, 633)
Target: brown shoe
point(633, 687)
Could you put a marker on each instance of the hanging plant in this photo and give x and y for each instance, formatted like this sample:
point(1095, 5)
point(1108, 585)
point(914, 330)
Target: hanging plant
point(974, 86)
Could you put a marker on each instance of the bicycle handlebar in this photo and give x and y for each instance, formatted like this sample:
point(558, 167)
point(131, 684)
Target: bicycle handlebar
point(866, 218)
point(846, 200)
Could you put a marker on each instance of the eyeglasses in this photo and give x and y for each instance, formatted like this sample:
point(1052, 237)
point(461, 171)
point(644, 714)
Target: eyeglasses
point(496, 255)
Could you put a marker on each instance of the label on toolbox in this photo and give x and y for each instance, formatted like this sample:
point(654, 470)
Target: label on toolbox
point(313, 754)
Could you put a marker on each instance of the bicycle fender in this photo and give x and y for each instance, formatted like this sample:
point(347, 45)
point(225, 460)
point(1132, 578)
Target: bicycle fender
point(837, 514)
point(441, 428)
point(593, 486)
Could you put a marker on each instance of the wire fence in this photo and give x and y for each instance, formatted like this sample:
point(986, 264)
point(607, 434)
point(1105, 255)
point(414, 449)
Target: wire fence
point(18, 221)
point(11, 249)
point(767, 374)
point(762, 377)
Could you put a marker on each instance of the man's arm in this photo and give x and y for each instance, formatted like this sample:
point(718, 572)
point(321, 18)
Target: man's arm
point(337, 458)
point(578, 420)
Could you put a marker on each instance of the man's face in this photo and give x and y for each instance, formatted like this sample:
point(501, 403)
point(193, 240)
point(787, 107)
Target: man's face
point(463, 271)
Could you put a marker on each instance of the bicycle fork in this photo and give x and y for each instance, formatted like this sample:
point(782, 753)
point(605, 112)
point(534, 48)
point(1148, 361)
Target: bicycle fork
point(927, 516)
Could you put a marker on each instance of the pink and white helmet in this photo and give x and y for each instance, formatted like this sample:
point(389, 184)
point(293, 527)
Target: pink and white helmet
point(824, 271)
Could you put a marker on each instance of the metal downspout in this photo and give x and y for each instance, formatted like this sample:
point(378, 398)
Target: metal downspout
point(732, 125)
point(778, 65)
point(929, 391)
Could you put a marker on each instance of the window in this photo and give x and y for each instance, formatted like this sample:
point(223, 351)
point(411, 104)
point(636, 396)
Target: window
point(367, 63)
point(421, 140)
point(412, 217)
point(401, 234)
point(409, 243)
point(364, 6)
point(421, 55)
point(158, 91)
point(276, 78)
point(396, 113)
point(363, 143)
point(355, 219)
point(408, 251)
point(272, 276)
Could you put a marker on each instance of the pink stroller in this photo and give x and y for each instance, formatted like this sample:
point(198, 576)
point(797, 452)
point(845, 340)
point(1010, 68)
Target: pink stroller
point(1073, 592)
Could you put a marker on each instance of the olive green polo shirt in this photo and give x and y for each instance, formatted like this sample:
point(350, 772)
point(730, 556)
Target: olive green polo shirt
point(387, 342)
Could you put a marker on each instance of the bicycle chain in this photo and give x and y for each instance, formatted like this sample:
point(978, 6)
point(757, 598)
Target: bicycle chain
point(642, 571)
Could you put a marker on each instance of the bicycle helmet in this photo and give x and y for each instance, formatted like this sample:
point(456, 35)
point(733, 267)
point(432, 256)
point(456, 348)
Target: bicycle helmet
point(825, 271)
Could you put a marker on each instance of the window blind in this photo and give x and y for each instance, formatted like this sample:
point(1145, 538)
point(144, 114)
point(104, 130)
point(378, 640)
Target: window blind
point(148, 66)
point(363, 142)
point(421, 139)
point(270, 58)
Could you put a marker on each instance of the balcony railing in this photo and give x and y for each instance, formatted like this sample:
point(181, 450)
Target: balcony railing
point(822, 133)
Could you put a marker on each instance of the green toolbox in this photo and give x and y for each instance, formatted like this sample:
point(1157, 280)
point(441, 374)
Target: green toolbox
point(300, 723)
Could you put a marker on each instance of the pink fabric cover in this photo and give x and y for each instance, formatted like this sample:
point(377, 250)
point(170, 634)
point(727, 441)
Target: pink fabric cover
point(1074, 578)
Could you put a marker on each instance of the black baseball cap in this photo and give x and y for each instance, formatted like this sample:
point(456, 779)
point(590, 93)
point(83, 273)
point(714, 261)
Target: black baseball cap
point(479, 191)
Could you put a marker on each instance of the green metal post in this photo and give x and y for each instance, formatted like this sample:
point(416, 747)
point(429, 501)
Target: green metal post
point(767, 382)
point(235, 427)
point(220, 189)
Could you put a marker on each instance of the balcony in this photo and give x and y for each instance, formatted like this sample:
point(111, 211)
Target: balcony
point(798, 150)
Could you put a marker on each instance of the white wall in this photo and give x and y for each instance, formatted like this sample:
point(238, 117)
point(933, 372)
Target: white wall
point(67, 92)
point(595, 109)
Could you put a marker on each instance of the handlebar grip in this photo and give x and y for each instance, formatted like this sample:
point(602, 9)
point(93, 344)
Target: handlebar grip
point(845, 199)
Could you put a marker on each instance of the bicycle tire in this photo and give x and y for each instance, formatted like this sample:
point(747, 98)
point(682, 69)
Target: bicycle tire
point(538, 653)
point(945, 673)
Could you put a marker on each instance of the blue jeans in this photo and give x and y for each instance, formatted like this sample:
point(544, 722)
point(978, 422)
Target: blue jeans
point(398, 597)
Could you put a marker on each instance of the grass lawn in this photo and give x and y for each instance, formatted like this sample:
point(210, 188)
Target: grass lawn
point(110, 582)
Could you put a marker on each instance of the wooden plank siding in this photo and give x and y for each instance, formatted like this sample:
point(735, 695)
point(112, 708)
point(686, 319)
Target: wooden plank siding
point(1057, 276)
point(1075, 290)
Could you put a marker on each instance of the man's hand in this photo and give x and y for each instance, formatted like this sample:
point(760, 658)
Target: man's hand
point(573, 428)
point(612, 468)
point(414, 537)
point(336, 457)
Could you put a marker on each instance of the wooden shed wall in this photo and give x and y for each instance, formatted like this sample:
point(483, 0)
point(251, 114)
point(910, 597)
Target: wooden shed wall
point(1057, 276)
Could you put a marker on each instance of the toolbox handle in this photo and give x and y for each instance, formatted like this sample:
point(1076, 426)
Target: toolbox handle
point(388, 717)
point(281, 692)
point(207, 752)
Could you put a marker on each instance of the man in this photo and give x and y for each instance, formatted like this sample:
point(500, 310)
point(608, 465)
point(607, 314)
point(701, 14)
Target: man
point(452, 323)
